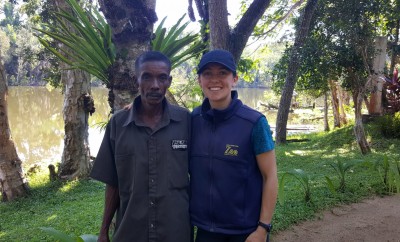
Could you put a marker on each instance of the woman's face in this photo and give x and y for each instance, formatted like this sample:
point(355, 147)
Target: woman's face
point(217, 81)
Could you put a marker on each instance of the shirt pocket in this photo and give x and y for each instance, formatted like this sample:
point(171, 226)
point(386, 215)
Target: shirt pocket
point(178, 167)
point(126, 170)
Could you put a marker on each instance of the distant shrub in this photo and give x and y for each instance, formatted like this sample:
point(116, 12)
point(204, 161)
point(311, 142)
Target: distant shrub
point(390, 125)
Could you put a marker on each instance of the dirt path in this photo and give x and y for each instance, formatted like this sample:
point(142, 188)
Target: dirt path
point(372, 220)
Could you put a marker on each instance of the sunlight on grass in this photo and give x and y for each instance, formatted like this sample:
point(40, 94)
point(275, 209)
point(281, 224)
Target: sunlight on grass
point(69, 186)
point(38, 179)
point(289, 154)
point(341, 151)
point(52, 217)
point(299, 152)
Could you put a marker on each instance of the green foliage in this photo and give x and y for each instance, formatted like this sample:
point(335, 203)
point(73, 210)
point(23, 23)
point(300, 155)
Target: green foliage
point(187, 93)
point(340, 45)
point(276, 16)
point(304, 180)
point(89, 46)
point(87, 38)
point(389, 173)
point(11, 16)
point(390, 125)
point(341, 169)
point(246, 69)
point(63, 237)
point(177, 48)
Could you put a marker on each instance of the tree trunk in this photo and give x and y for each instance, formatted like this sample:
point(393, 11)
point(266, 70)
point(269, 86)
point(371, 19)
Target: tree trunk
point(12, 180)
point(376, 107)
point(358, 126)
point(75, 160)
point(131, 24)
point(335, 104)
point(326, 106)
point(342, 112)
point(78, 103)
point(395, 43)
point(221, 37)
point(219, 25)
point(294, 64)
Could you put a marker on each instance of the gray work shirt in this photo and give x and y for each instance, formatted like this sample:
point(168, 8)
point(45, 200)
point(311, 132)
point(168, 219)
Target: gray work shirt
point(150, 169)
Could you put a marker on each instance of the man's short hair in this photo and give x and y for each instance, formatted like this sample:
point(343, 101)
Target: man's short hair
point(152, 56)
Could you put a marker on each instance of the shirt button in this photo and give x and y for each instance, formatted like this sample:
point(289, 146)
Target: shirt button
point(152, 226)
point(152, 180)
point(151, 203)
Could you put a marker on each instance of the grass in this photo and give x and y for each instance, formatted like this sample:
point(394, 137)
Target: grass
point(76, 207)
point(73, 207)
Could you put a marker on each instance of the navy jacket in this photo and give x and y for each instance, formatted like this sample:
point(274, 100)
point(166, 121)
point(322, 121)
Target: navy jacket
point(226, 184)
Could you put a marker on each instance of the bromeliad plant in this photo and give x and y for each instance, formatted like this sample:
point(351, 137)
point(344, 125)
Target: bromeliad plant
point(87, 37)
point(177, 48)
point(302, 177)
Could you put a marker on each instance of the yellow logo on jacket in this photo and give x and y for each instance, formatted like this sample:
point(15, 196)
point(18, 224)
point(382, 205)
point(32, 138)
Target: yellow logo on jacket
point(231, 150)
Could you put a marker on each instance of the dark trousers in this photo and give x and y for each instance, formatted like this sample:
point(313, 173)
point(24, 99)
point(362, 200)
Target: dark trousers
point(205, 236)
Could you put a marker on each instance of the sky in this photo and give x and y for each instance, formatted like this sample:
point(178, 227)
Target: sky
point(174, 9)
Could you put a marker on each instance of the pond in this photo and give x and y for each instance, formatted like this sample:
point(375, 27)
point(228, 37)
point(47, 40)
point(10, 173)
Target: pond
point(37, 126)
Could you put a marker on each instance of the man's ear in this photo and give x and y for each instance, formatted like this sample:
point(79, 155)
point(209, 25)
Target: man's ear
point(170, 81)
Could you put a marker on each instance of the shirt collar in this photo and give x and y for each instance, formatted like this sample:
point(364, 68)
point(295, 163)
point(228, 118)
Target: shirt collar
point(169, 114)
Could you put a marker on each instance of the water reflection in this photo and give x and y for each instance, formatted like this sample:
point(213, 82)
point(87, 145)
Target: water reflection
point(37, 126)
point(35, 116)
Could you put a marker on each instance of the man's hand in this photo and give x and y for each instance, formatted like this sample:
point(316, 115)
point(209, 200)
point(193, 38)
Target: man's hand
point(103, 237)
point(260, 235)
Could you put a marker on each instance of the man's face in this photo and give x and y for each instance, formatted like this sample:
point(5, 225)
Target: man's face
point(153, 79)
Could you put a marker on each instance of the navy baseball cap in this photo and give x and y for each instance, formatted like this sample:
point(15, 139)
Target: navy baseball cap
point(222, 57)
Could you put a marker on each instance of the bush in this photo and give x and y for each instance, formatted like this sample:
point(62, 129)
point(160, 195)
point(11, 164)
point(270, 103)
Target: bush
point(390, 125)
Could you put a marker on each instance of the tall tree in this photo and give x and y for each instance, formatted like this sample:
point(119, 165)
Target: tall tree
point(294, 64)
point(12, 179)
point(75, 161)
point(344, 32)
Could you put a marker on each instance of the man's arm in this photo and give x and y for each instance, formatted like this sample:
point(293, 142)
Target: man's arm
point(110, 207)
point(267, 165)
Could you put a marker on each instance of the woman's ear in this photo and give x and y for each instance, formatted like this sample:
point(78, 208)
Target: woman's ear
point(235, 80)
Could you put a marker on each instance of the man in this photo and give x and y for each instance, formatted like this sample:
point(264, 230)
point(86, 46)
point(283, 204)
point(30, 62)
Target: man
point(143, 160)
point(233, 172)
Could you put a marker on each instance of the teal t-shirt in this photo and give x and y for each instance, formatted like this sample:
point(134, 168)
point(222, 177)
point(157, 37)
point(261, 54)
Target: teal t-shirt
point(262, 137)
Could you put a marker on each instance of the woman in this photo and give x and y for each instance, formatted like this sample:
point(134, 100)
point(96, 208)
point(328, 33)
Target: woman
point(232, 167)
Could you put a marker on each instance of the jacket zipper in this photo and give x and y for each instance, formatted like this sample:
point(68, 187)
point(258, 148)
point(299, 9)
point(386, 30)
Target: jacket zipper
point(211, 156)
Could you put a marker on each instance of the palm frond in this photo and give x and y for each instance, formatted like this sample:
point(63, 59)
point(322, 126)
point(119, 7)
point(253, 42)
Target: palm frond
point(177, 48)
point(87, 37)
